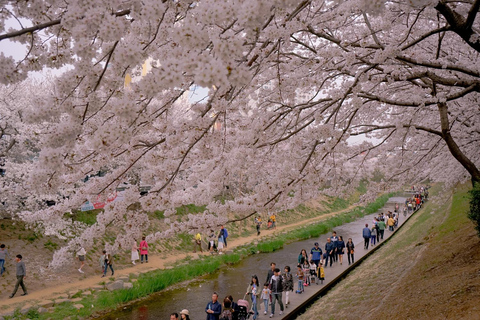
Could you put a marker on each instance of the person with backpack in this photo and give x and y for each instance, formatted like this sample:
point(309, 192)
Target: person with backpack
point(227, 313)
point(276, 285)
point(213, 308)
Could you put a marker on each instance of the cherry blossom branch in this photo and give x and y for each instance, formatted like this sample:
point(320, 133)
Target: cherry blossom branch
point(132, 164)
point(187, 152)
point(45, 25)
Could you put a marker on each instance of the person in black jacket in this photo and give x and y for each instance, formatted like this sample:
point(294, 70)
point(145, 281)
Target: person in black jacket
point(330, 251)
point(276, 285)
point(271, 272)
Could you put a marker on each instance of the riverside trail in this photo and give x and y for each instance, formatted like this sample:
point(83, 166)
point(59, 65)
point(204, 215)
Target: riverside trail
point(234, 280)
point(68, 285)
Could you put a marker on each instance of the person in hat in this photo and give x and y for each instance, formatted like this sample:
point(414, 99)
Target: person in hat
point(184, 314)
point(316, 254)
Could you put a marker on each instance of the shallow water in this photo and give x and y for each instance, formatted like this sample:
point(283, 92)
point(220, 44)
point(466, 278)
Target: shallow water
point(234, 280)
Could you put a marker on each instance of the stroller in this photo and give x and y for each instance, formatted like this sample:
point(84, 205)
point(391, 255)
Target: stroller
point(243, 309)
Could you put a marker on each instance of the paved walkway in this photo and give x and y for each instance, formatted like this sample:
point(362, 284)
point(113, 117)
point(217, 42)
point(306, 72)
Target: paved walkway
point(336, 269)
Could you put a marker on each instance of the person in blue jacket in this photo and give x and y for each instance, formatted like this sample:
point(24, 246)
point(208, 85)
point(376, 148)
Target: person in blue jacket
point(316, 254)
point(330, 251)
point(225, 235)
point(366, 236)
point(214, 308)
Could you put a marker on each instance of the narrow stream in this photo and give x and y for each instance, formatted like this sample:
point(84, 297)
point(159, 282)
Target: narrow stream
point(234, 280)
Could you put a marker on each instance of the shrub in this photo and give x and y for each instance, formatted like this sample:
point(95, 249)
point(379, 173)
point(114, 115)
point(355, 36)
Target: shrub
point(474, 213)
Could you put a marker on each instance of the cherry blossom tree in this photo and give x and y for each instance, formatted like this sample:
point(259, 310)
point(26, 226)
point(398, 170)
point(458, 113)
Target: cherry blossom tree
point(301, 95)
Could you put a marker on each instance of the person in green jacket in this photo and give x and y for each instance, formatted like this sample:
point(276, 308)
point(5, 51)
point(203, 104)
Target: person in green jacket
point(381, 228)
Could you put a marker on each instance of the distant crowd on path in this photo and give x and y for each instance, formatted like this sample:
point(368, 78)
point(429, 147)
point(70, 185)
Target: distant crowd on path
point(310, 270)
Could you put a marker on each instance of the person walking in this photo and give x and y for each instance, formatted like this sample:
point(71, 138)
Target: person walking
point(81, 257)
point(266, 292)
point(366, 236)
point(213, 308)
point(391, 223)
point(102, 262)
point(287, 284)
point(21, 272)
point(350, 250)
point(3, 258)
point(254, 292)
point(340, 249)
point(143, 250)
point(220, 242)
point(258, 223)
point(302, 257)
point(334, 240)
point(381, 228)
point(330, 251)
point(271, 272)
point(224, 231)
point(373, 235)
point(134, 256)
point(276, 285)
point(300, 275)
point(108, 263)
point(316, 254)
point(211, 242)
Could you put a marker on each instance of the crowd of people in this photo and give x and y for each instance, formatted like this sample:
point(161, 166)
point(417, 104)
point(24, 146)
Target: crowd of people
point(278, 285)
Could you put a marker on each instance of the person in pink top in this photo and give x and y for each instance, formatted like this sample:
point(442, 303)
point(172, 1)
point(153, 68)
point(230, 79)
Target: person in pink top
point(143, 250)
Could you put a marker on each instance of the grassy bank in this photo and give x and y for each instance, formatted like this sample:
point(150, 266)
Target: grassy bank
point(187, 269)
point(428, 270)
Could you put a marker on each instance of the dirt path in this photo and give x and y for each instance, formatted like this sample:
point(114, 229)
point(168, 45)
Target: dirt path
point(155, 262)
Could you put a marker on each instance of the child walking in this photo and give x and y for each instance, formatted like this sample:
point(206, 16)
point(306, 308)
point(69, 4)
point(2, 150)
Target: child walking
point(321, 273)
point(306, 273)
point(265, 296)
point(287, 284)
point(313, 272)
point(300, 275)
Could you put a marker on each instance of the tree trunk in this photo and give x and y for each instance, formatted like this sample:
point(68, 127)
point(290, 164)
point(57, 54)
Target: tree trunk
point(453, 147)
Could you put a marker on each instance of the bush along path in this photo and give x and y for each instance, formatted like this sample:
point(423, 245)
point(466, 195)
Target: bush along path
point(84, 298)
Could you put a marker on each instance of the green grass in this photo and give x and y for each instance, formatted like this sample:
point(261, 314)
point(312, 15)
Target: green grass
point(52, 246)
point(190, 208)
point(87, 217)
